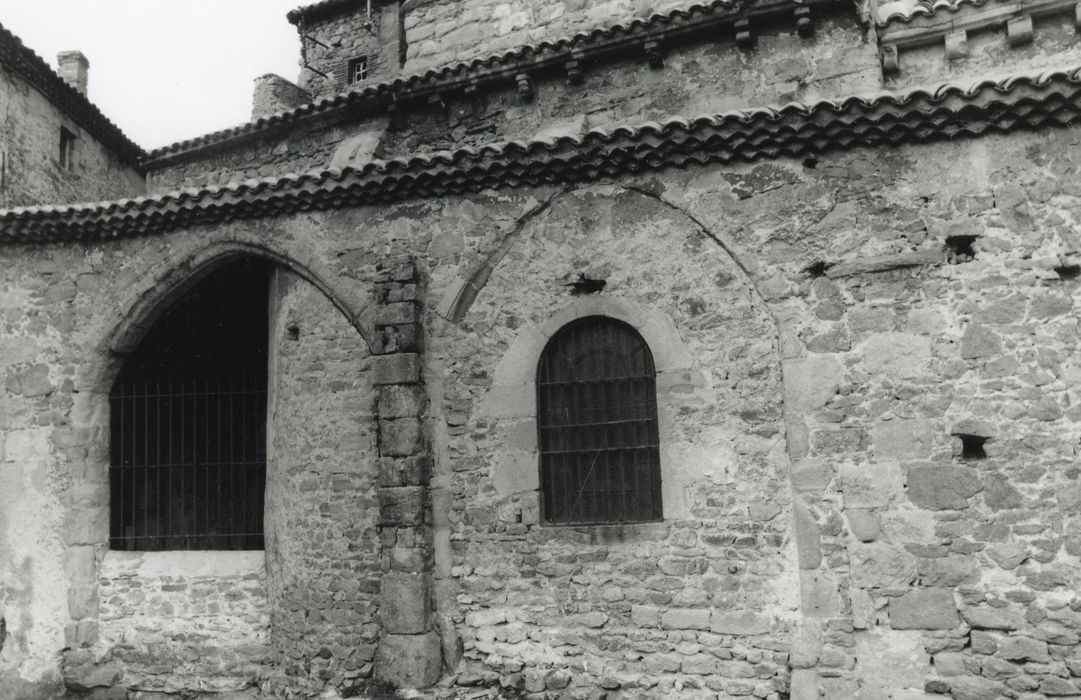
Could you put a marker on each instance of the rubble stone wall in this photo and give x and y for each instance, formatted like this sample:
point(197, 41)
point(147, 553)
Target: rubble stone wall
point(30, 171)
point(323, 548)
point(174, 621)
point(708, 598)
point(330, 44)
point(442, 32)
point(875, 442)
point(697, 79)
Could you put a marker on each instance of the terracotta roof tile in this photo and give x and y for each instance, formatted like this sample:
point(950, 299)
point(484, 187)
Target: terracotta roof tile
point(794, 130)
point(904, 12)
point(319, 10)
point(503, 66)
point(19, 58)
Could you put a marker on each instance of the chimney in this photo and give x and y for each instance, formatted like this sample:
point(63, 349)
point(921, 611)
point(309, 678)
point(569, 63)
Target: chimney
point(274, 93)
point(74, 69)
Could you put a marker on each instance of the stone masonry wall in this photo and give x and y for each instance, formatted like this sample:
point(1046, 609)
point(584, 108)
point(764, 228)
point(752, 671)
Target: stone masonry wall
point(336, 41)
point(439, 32)
point(705, 601)
point(917, 299)
point(54, 456)
point(174, 621)
point(704, 78)
point(1055, 45)
point(30, 172)
point(323, 549)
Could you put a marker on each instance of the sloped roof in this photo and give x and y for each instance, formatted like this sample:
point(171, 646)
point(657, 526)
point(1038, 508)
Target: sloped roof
point(20, 59)
point(701, 19)
point(795, 130)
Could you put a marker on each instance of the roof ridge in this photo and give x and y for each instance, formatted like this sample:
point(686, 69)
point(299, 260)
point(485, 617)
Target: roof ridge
point(795, 129)
point(37, 71)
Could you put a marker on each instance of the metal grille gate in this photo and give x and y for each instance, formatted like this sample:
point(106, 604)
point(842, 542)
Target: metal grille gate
point(188, 463)
point(597, 423)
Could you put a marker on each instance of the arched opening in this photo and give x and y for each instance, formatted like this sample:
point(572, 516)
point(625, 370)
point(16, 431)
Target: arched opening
point(597, 423)
point(188, 417)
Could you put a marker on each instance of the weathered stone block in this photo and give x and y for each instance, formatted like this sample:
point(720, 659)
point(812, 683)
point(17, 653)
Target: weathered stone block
point(401, 401)
point(839, 441)
point(924, 609)
point(396, 339)
point(881, 565)
point(400, 437)
point(808, 539)
point(810, 382)
point(405, 471)
point(975, 688)
point(870, 485)
point(947, 572)
point(942, 488)
point(988, 618)
point(87, 676)
point(811, 476)
point(83, 602)
point(405, 603)
point(515, 471)
point(409, 660)
point(902, 438)
point(402, 505)
point(979, 341)
point(685, 619)
point(863, 524)
point(1019, 648)
point(897, 355)
point(645, 615)
point(399, 368)
point(397, 314)
point(740, 623)
point(819, 595)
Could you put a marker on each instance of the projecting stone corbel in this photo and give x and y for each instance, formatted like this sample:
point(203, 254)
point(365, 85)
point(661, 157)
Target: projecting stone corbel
point(653, 53)
point(396, 114)
point(957, 45)
point(574, 69)
point(525, 87)
point(745, 38)
point(890, 64)
point(805, 25)
point(437, 103)
point(1019, 30)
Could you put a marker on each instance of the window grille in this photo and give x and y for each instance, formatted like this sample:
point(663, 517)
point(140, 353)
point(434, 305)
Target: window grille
point(188, 465)
point(358, 69)
point(597, 423)
point(187, 441)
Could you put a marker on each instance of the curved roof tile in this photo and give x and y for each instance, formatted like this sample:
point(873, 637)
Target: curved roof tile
point(493, 67)
point(794, 130)
point(36, 70)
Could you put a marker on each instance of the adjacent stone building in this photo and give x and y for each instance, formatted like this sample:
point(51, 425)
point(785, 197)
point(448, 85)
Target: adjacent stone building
point(614, 349)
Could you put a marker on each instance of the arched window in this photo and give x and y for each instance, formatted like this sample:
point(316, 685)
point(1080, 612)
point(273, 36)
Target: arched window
point(597, 423)
point(188, 421)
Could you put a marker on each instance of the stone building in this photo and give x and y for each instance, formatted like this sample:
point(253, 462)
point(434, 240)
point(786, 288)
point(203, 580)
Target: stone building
point(575, 349)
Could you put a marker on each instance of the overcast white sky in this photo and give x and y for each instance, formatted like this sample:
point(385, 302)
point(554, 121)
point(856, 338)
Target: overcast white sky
point(165, 70)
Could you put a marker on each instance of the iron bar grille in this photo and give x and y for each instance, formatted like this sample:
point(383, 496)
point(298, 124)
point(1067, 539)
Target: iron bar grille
point(188, 463)
point(597, 424)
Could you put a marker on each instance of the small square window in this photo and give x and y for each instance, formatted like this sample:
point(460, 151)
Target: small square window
point(358, 69)
point(66, 155)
